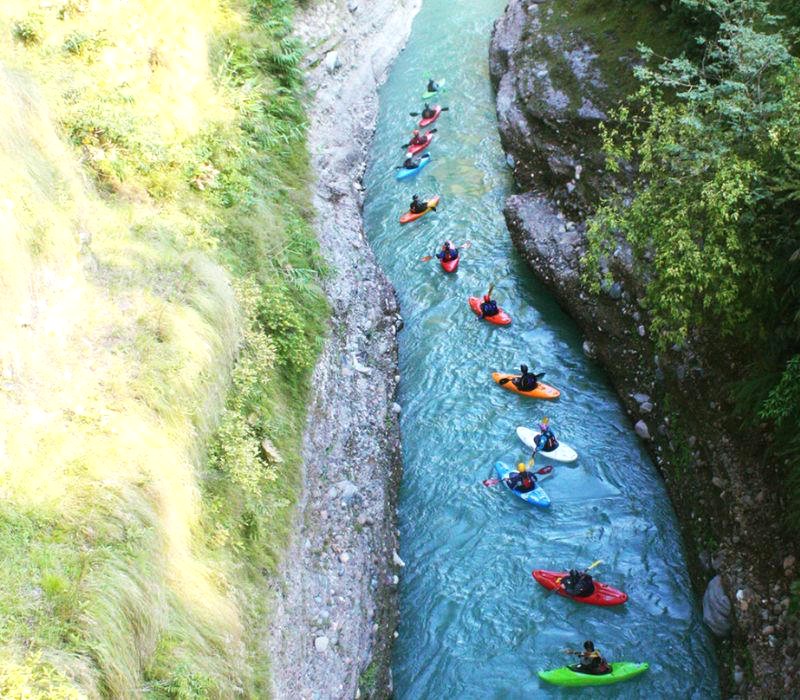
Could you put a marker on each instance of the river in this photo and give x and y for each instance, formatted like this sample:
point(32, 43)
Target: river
point(474, 624)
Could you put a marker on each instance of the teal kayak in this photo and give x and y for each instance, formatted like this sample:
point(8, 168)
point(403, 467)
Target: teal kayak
point(537, 497)
point(432, 93)
point(620, 671)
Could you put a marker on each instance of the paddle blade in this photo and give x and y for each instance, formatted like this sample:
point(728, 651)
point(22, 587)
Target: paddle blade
point(545, 470)
point(597, 563)
point(427, 258)
point(466, 245)
point(504, 380)
point(491, 482)
point(414, 114)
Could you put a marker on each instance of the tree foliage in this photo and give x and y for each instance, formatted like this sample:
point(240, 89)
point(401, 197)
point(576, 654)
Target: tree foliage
point(712, 221)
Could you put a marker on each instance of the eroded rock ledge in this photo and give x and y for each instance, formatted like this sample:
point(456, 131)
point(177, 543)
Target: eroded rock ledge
point(336, 603)
point(550, 103)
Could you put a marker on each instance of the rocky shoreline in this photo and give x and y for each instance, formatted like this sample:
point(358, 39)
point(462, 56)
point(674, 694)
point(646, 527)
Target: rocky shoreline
point(335, 600)
point(724, 494)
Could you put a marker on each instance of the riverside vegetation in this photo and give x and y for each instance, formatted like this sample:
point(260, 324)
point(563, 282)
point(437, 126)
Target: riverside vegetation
point(712, 218)
point(155, 218)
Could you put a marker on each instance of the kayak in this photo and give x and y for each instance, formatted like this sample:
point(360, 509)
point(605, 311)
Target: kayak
point(542, 391)
point(562, 453)
point(408, 172)
point(421, 147)
point(437, 110)
point(450, 265)
point(501, 319)
point(410, 216)
point(603, 595)
point(620, 671)
point(537, 497)
point(432, 93)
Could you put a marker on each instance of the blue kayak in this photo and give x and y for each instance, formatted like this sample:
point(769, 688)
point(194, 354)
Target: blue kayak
point(408, 172)
point(537, 497)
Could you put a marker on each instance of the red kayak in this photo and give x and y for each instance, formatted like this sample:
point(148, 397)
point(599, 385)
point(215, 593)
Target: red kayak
point(450, 265)
point(422, 146)
point(437, 110)
point(501, 319)
point(603, 594)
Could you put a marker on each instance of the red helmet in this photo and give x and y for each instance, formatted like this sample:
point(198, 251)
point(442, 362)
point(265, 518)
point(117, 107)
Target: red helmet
point(486, 298)
point(415, 132)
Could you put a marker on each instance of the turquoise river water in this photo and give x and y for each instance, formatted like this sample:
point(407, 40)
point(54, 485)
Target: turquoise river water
point(474, 624)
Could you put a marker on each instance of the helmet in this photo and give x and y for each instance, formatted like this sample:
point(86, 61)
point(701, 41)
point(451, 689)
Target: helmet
point(486, 298)
point(521, 467)
point(415, 132)
point(416, 196)
point(448, 244)
point(588, 645)
point(524, 368)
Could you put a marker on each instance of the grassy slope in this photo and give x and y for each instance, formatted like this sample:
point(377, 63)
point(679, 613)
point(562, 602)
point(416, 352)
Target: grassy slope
point(154, 210)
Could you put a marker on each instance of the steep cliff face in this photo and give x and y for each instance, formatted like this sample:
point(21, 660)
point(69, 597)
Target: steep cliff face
point(548, 72)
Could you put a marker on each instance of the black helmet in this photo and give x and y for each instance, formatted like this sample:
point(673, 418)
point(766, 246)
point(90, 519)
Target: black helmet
point(416, 196)
point(588, 645)
point(524, 368)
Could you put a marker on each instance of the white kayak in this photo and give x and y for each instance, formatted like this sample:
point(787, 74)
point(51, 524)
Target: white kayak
point(562, 453)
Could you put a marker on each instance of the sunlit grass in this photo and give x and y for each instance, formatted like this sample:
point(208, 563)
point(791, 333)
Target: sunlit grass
point(154, 216)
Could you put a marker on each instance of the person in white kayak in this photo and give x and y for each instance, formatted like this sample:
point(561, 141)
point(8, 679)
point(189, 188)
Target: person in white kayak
point(546, 439)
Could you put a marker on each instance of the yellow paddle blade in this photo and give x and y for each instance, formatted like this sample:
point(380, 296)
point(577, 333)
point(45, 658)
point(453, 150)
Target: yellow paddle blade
point(597, 563)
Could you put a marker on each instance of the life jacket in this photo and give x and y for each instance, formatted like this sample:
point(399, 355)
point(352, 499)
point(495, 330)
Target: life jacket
point(527, 481)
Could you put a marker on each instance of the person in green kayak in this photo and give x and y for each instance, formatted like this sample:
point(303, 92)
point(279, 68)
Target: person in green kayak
point(448, 252)
point(591, 661)
point(578, 583)
point(433, 86)
point(428, 111)
point(522, 480)
point(417, 205)
point(546, 439)
point(527, 381)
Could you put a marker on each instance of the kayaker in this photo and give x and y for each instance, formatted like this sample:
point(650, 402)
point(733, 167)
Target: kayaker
point(447, 253)
point(578, 583)
point(546, 439)
point(417, 139)
point(522, 480)
point(427, 111)
point(488, 307)
point(417, 205)
point(411, 162)
point(527, 381)
point(433, 86)
point(591, 661)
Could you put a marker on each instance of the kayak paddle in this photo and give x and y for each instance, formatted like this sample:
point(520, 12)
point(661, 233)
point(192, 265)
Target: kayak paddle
point(419, 114)
point(506, 380)
point(464, 246)
point(406, 145)
point(496, 480)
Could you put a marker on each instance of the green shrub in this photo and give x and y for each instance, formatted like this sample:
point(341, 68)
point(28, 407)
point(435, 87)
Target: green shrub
point(29, 30)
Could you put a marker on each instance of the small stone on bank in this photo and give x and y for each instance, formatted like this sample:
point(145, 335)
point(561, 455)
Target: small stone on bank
point(641, 430)
point(321, 644)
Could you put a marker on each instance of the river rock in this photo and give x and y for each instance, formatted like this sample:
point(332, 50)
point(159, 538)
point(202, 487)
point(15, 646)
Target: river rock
point(642, 430)
point(332, 62)
point(589, 349)
point(396, 560)
point(717, 608)
point(271, 453)
point(348, 489)
point(321, 644)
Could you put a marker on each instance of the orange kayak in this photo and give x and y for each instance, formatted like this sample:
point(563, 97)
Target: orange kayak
point(408, 216)
point(542, 391)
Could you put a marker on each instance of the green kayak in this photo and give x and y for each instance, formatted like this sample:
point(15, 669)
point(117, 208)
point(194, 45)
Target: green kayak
point(620, 671)
point(432, 93)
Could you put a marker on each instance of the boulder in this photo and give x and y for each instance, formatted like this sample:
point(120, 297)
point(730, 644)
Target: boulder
point(717, 608)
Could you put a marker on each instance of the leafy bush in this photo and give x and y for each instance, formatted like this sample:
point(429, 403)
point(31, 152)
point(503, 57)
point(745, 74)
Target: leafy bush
point(29, 30)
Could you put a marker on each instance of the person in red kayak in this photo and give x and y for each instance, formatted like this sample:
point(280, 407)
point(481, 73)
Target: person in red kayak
point(578, 583)
point(417, 139)
point(488, 307)
point(447, 253)
point(527, 381)
point(546, 439)
point(428, 111)
point(522, 480)
point(417, 205)
point(591, 661)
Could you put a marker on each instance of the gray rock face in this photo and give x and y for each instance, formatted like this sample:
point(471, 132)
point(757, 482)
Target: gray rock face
point(717, 608)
